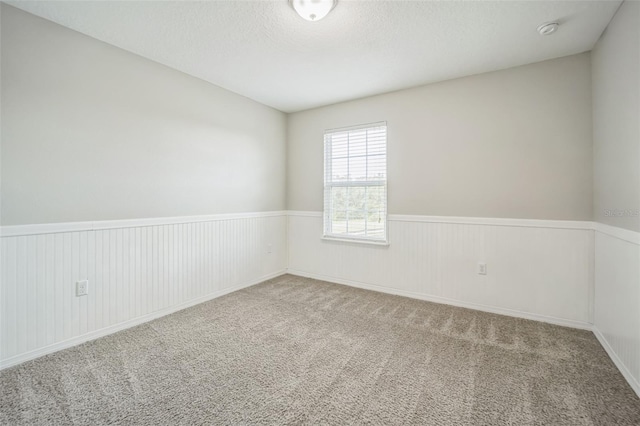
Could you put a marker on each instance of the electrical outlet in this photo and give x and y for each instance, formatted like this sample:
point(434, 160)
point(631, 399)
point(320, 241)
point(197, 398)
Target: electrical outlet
point(82, 288)
point(482, 268)
point(269, 248)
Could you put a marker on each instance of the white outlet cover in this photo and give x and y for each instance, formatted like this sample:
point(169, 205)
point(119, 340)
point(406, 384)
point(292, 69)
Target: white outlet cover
point(82, 288)
point(482, 268)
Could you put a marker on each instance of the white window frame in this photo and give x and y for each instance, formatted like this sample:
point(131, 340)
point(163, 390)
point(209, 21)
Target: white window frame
point(329, 184)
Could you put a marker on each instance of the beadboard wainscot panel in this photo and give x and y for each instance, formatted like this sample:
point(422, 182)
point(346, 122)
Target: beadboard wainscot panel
point(138, 270)
point(536, 269)
point(617, 298)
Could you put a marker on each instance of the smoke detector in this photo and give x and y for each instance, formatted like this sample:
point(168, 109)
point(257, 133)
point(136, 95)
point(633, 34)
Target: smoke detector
point(548, 28)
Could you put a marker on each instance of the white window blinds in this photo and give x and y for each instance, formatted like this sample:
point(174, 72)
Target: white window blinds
point(355, 183)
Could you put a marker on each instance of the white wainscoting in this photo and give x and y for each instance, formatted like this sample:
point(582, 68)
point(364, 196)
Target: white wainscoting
point(617, 298)
point(137, 270)
point(541, 270)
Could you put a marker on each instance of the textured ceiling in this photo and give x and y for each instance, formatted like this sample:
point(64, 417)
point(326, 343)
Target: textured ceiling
point(265, 51)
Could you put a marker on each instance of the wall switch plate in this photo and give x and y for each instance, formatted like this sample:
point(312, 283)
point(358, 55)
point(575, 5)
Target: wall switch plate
point(482, 268)
point(82, 288)
point(269, 248)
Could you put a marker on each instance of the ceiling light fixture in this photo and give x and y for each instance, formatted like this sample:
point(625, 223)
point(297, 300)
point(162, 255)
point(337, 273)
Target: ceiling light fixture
point(548, 28)
point(313, 10)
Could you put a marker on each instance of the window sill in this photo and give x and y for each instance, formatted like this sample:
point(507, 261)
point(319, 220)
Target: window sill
point(357, 241)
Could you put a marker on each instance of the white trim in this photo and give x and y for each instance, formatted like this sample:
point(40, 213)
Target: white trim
point(356, 127)
point(304, 213)
point(53, 228)
point(348, 183)
point(446, 301)
point(529, 223)
point(635, 385)
point(27, 356)
point(616, 232)
point(356, 241)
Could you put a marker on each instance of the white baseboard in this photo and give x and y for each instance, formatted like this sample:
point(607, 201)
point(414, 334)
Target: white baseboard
point(10, 362)
point(616, 360)
point(446, 301)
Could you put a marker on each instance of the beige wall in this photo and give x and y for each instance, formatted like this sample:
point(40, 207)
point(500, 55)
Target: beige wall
point(91, 132)
point(616, 120)
point(515, 143)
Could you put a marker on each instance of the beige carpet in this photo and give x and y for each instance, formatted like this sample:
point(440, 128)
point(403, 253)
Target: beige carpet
point(299, 351)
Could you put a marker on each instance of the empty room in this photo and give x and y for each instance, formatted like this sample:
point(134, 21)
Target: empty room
point(320, 212)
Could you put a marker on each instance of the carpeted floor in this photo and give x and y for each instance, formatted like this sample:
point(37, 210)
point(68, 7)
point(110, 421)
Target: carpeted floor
point(299, 351)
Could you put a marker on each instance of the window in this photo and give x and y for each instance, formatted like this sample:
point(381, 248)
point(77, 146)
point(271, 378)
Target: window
point(355, 183)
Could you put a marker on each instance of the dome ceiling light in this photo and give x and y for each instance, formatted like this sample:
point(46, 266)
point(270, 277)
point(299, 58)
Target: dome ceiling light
point(313, 10)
